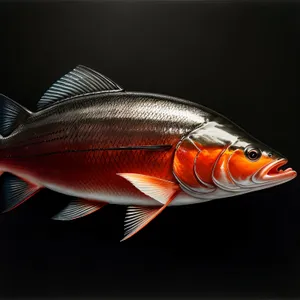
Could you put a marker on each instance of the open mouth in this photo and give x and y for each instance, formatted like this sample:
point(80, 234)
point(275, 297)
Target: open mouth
point(276, 171)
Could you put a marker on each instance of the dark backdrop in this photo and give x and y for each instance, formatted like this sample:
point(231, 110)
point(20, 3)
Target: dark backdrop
point(238, 58)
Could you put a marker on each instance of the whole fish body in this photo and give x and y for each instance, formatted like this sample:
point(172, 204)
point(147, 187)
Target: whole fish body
point(94, 141)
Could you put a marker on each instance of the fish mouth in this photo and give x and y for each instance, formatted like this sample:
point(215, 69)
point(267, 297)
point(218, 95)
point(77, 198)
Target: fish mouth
point(275, 172)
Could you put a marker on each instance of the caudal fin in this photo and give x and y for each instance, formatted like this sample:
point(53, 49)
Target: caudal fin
point(12, 115)
point(14, 191)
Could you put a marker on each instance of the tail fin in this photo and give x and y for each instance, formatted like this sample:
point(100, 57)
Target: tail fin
point(14, 191)
point(12, 115)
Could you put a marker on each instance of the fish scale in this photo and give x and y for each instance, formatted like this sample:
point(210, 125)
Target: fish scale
point(94, 141)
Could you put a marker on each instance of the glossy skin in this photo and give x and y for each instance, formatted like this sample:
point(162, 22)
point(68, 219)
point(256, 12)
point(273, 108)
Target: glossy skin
point(221, 162)
point(66, 147)
point(79, 146)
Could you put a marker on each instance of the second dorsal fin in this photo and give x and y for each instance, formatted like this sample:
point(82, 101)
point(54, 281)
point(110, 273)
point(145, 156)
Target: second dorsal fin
point(79, 81)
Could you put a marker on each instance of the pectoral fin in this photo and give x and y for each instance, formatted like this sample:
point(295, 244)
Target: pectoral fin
point(158, 189)
point(78, 208)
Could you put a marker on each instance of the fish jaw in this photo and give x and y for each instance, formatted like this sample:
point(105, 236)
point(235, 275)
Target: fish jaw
point(274, 174)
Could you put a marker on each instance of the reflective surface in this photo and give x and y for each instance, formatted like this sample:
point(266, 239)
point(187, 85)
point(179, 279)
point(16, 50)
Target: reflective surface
point(239, 59)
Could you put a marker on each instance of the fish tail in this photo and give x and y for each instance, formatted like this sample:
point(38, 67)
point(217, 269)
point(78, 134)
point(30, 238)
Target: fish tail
point(12, 115)
point(13, 190)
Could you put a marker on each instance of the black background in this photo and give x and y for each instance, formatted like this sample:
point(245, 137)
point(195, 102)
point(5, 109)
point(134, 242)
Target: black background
point(238, 58)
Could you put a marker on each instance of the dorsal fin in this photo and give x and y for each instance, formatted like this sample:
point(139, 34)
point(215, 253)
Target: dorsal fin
point(81, 80)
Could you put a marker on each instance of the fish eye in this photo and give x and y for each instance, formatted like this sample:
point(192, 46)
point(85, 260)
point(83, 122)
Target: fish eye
point(252, 153)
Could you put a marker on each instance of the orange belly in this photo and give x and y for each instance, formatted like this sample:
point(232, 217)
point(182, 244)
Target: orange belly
point(93, 172)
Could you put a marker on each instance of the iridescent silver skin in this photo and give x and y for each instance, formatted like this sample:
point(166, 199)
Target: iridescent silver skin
point(93, 140)
point(128, 120)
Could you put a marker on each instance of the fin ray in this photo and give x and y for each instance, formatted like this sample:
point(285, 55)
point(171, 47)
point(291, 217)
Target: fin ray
point(12, 115)
point(81, 80)
point(78, 208)
point(15, 191)
point(158, 189)
point(137, 217)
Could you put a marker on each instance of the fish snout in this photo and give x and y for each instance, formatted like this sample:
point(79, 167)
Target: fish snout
point(276, 171)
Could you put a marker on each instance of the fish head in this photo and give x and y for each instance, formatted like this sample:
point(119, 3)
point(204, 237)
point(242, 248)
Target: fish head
point(246, 166)
point(221, 160)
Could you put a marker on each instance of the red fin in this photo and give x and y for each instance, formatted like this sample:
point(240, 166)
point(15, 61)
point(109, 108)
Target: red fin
point(78, 208)
point(137, 217)
point(159, 189)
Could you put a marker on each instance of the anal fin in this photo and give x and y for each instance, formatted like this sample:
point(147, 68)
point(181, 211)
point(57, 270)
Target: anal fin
point(15, 191)
point(78, 208)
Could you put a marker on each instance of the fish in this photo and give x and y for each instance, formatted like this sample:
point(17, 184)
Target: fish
point(99, 144)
